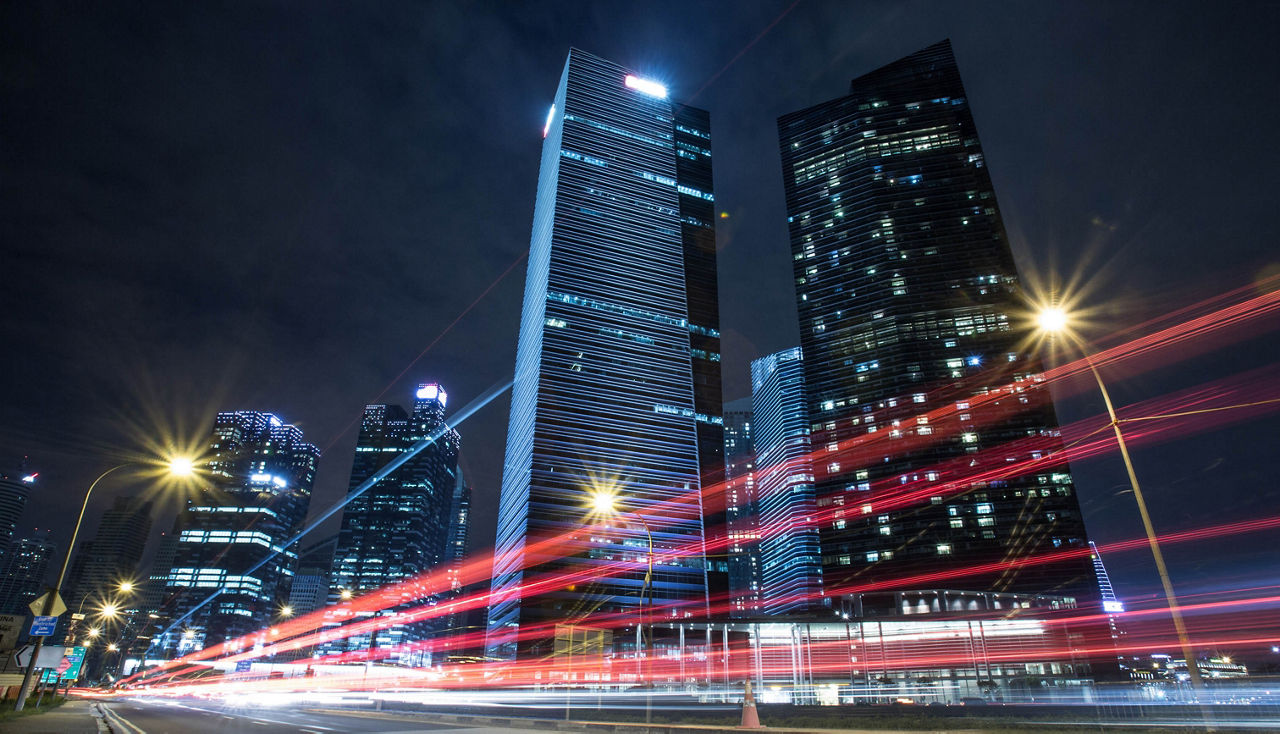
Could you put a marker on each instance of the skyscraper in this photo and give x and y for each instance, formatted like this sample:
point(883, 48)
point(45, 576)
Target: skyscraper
point(399, 527)
point(741, 511)
point(112, 556)
point(928, 423)
point(15, 489)
point(258, 476)
point(310, 589)
point(24, 570)
point(618, 368)
point(791, 571)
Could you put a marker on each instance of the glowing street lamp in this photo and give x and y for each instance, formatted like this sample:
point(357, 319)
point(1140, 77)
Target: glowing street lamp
point(126, 587)
point(604, 501)
point(110, 611)
point(175, 466)
point(94, 632)
point(1054, 320)
point(345, 594)
point(286, 611)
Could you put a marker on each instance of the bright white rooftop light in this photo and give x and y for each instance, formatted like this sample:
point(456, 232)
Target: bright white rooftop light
point(653, 89)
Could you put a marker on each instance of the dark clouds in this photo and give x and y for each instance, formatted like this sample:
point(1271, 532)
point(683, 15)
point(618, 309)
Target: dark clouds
point(277, 206)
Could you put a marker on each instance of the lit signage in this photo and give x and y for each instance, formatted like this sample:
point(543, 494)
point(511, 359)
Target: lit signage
point(267, 479)
point(432, 392)
point(30, 478)
point(551, 115)
point(653, 89)
point(1113, 606)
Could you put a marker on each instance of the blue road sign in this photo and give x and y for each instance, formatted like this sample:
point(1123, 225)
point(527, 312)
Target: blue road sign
point(244, 666)
point(43, 626)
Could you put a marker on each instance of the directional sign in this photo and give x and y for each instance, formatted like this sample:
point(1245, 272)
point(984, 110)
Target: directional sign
point(43, 626)
point(37, 606)
point(68, 668)
point(50, 656)
point(244, 666)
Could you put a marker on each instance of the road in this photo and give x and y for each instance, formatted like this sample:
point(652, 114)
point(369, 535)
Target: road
point(162, 716)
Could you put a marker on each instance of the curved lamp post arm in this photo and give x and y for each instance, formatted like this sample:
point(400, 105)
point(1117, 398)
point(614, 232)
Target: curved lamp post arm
point(76, 532)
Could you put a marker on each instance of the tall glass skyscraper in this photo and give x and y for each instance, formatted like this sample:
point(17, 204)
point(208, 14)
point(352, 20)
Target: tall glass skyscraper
point(258, 475)
point(741, 510)
point(618, 367)
point(791, 573)
point(15, 488)
point(401, 526)
point(926, 413)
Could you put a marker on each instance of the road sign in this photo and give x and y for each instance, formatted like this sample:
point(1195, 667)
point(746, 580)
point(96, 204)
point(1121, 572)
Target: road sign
point(68, 667)
point(43, 626)
point(50, 656)
point(37, 606)
point(244, 666)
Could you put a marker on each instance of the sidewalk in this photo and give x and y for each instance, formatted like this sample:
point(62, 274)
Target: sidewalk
point(522, 723)
point(73, 717)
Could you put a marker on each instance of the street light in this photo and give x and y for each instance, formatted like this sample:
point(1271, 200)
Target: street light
point(286, 611)
point(1053, 320)
point(604, 500)
point(179, 466)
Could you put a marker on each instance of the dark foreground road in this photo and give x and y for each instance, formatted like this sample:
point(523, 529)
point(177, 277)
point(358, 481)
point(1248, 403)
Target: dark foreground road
point(134, 716)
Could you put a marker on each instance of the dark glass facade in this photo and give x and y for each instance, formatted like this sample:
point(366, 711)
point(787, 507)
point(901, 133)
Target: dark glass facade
point(258, 478)
point(15, 489)
point(401, 526)
point(740, 509)
point(23, 572)
point(618, 366)
point(924, 407)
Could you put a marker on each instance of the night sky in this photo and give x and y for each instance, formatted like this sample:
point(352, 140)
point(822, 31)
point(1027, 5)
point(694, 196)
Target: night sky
point(282, 207)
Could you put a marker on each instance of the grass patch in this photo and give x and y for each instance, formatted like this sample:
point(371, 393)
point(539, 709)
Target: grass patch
point(50, 702)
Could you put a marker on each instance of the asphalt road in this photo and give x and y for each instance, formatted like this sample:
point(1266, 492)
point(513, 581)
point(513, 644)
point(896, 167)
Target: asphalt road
point(143, 716)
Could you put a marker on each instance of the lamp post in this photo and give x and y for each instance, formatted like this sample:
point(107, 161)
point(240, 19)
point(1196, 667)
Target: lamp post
point(176, 467)
point(1054, 320)
point(605, 503)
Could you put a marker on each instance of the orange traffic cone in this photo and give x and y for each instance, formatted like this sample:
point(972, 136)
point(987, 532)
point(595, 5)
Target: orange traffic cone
point(750, 719)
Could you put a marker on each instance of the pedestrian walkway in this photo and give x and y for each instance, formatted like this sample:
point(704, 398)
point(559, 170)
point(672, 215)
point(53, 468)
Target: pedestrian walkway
point(73, 717)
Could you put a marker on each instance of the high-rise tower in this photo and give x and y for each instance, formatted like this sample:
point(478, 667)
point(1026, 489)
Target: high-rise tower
point(399, 527)
point(258, 478)
point(791, 574)
point(929, 428)
point(741, 510)
point(15, 489)
point(618, 367)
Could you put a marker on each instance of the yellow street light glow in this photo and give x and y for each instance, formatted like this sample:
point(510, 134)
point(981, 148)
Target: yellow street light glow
point(112, 647)
point(126, 586)
point(1052, 319)
point(286, 611)
point(110, 610)
point(604, 502)
point(181, 466)
point(93, 631)
point(345, 594)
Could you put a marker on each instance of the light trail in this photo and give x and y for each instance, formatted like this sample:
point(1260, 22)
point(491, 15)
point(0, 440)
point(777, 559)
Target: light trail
point(1001, 402)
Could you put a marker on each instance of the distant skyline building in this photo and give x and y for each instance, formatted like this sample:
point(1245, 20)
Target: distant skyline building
point(618, 365)
point(929, 424)
point(15, 489)
point(740, 509)
point(257, 474)
point(310, 590)
point(790, 558)
point(24, 571)
point(112, 556)
point(402, 526)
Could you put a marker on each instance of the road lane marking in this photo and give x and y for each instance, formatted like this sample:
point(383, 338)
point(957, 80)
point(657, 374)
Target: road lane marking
point(123, 721)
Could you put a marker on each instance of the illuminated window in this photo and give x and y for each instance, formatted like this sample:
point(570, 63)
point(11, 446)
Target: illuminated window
point(944, 549)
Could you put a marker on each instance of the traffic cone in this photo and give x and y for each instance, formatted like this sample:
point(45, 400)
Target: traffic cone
point(750, 719)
